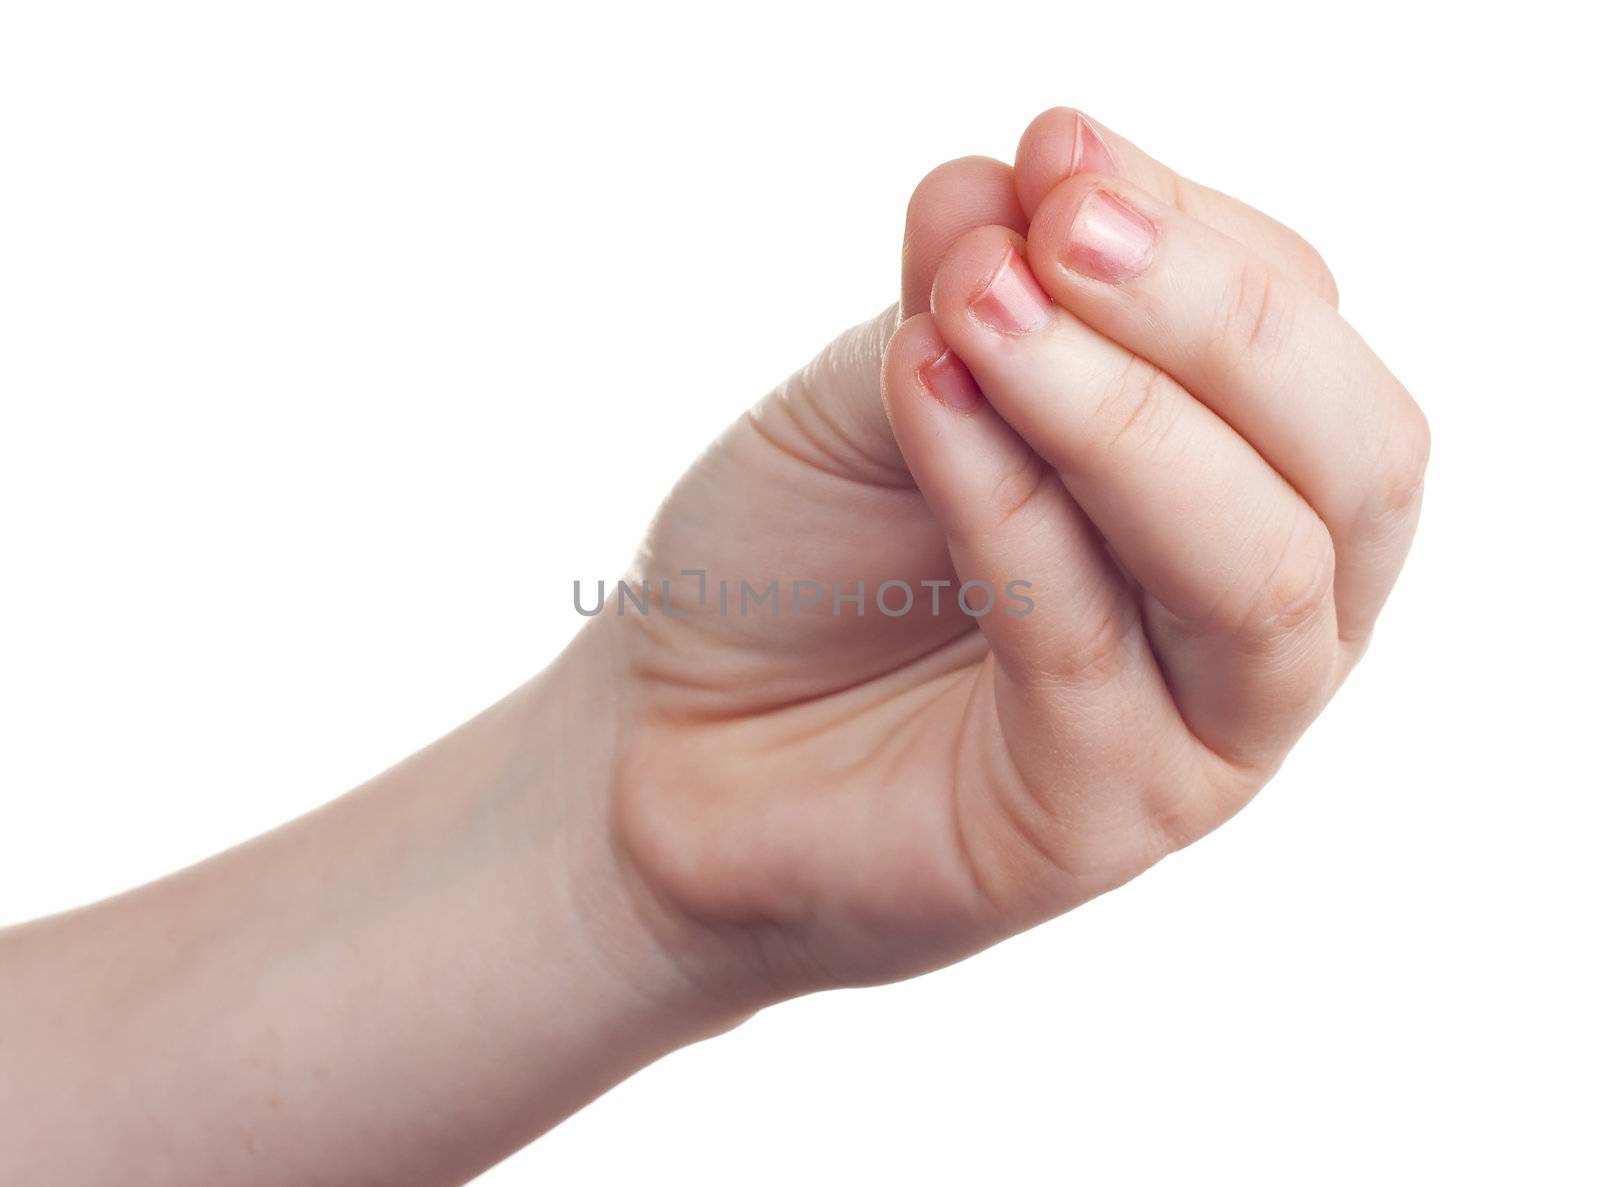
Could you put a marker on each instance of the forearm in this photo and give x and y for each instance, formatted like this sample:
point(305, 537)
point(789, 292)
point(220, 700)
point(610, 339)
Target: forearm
point(402, 987)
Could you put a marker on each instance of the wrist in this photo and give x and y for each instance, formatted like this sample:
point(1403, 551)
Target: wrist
point(663, 978)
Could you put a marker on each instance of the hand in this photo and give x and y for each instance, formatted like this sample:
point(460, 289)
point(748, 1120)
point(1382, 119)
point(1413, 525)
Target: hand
point(1132, 393)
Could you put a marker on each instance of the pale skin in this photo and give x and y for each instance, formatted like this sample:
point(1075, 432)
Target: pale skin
point(1130, 391)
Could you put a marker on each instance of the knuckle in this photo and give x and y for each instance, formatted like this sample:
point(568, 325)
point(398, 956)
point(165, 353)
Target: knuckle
point(1318, 275)
point(831, 413)
point(1304, 263)
point(1136, 411)
point(1090, 648)
point(1396, 488)
point(1101, 644)
point(1017, 492)
point(1176, 814)
point(1297, 594)
point(1257, 318)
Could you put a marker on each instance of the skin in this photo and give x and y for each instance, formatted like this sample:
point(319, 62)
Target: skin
point(1206, 476)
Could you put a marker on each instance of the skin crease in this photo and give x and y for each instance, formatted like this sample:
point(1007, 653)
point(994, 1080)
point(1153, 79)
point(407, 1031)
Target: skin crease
point(1206, 476)
point(851, 800)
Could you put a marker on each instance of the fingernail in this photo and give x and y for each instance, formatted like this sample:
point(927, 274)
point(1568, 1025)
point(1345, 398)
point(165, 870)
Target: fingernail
point(1013, 302)
point(948, 381)
point(1109, 239)
point(1089, 151)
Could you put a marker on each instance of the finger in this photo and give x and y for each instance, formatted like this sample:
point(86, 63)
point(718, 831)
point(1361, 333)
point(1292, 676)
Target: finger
point(1008, 520)
point(830, 412)
point(1239, 568)
point(1279, 365)
point(950, 201)
point(1075, 675)
point(1061, 142)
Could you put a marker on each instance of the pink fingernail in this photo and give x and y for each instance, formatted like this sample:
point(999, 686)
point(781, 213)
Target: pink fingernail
point(1089, 152)
point(947, 380)
point(1013, 302)
point(1109, 240)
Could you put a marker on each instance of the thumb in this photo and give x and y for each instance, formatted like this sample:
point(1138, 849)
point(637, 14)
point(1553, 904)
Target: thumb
point(830, 412)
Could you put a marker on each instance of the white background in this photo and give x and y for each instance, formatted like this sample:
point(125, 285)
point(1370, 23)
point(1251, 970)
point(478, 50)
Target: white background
point(337, 339)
